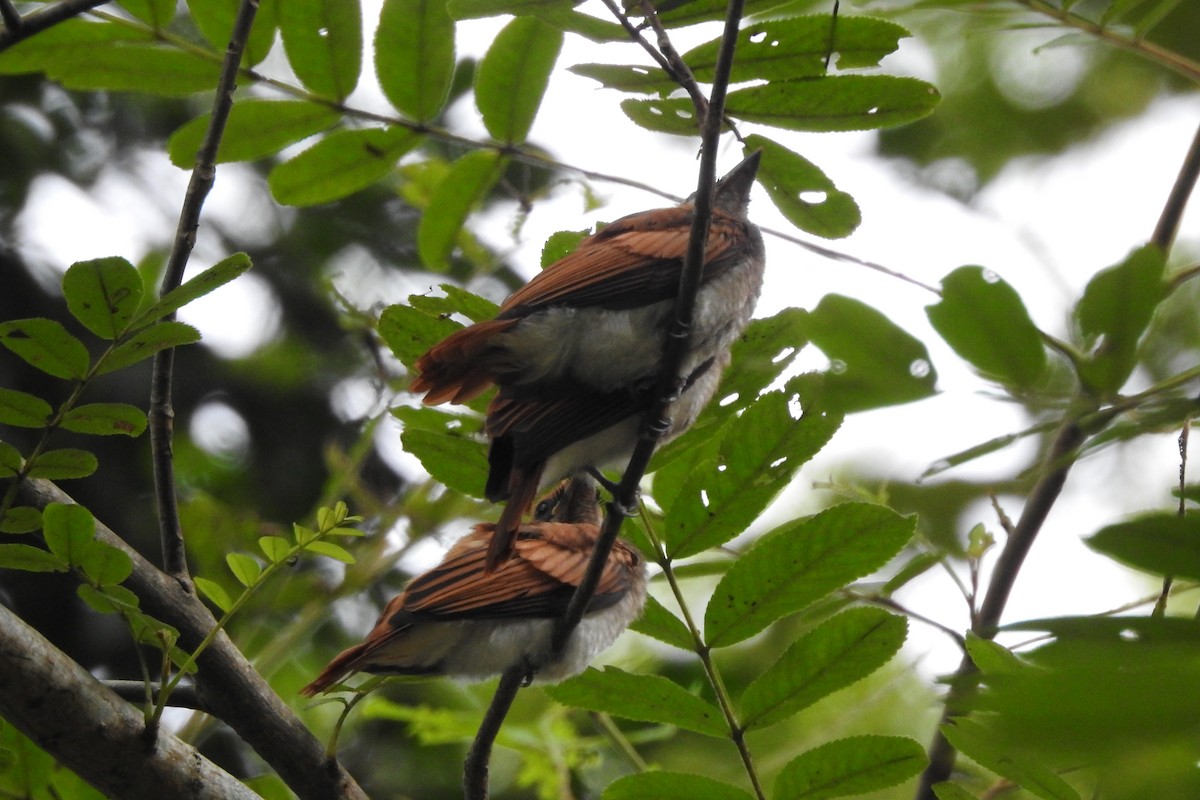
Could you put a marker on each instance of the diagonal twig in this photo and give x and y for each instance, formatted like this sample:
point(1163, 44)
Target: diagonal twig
point(162, 415)
point(674, 351)
point(39, 21)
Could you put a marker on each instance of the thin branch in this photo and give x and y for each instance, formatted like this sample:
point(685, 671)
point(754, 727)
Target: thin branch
point(962, 686)
point(475, 768)
point(8, 13)
point(1161, 55)
point(1185, 184)
point(39, 21)
point(228, 685)
point(162, 415)
point(92, 731)
point(674, 351)
point(889, 603)
point(680, 71)
point(635, 35)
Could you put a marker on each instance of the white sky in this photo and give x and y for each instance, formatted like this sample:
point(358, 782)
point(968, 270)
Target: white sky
point(1043, 225)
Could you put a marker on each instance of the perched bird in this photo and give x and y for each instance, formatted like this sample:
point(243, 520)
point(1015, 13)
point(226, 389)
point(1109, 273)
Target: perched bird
point(576, 351)
point(459, 620)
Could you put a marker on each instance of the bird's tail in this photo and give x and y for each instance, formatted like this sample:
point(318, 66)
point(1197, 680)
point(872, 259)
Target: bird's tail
point(463, 365)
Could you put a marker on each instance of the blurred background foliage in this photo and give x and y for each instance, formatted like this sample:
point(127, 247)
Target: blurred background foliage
point(310, 402)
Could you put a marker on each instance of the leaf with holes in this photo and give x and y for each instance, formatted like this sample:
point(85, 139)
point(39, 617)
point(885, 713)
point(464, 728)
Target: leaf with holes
point(984, 320)
point(324, 44)
point(875, 363)
point(760, 452)
point(834, 103)
point(802, 192)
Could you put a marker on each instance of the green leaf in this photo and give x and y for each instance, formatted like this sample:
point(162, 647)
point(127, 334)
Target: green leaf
point(256, 129)
point(659, 623)
point(410, 333)
point(991, 658)
point(760, 355)
point(103, 419)
point(121, 67)
point(155, 13)
point(215, 593)
point(853, 765)
point(47, 345)
point(10, 460)
point(324, 42)
point(647, 698)
point(1162, 544)
point(973, 740)
point(760, 452)
point(244, 568)
point(802, 192)
point(331, 550)
point(835, 103)
point(146, 343)
point(800, 562)
point(984, 320)
point(1115, 309)
point(207, 281)
point(340, 164)
point(511, 77)
point(303, 535)
point(553, 12)
point(671, 786)
point(837, 653)
point(874, 362)
point(106, 565)
point(951, 791)
point(627, 77)
point(69, 530)
point(675, 115)
point(59, 465)
point(275, 548)
point(23, 410)
point(414, 56)
point(796, 47)
point(28, 558)
point(20, 519)
point(103, 294)
point(469, 180)
point(456, 301)
point(38, 53)
point(452, 456)
point(915, 567)
point(215, 20)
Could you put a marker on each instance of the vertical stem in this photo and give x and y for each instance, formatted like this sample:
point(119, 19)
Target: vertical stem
point(162, 415)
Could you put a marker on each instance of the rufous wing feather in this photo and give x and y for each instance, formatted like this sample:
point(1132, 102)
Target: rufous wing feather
point(463, 365)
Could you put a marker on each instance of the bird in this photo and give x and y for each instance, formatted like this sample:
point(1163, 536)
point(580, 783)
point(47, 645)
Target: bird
point(575, 352)
point(460, 621)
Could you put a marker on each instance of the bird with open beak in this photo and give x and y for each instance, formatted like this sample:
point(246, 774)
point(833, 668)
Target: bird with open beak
point(576, 351)
point(459, 620)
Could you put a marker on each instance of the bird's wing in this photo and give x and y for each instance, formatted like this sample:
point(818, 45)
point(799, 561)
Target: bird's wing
point(635, 261)
point(563, 551)
point(461, 587)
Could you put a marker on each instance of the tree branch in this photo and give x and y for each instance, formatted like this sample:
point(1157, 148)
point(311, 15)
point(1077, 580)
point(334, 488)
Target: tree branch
point(96, 734)
point(228, 686)
point(39, 21)
point(135, 692)
point(162, 415)
point(1185, 184)
point(674, 352)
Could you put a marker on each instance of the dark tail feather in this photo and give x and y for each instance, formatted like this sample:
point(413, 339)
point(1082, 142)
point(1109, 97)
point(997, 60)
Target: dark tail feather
point(460, 367)
point(341, 666)
point(523, 491)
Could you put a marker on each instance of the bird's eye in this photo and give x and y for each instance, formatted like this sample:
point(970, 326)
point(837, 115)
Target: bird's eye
point(544, 509)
